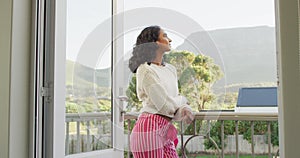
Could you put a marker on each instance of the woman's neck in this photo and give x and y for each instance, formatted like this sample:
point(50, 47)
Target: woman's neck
point(156, 63)
point(158, 59)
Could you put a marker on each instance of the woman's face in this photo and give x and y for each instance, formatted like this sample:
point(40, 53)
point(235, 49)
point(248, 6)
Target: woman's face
point(164, 41)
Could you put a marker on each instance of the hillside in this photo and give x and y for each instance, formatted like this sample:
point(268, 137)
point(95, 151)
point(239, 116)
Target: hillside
point(80, 75)
point(247, 55)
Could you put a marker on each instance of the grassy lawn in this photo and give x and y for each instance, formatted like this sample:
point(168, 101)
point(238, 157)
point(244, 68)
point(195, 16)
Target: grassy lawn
point(233, 156)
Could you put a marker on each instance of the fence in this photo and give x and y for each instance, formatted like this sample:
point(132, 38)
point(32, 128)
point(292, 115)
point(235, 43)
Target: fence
point(93, 131)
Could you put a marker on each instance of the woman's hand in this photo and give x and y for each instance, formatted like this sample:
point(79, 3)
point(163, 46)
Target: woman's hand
point(187, 115)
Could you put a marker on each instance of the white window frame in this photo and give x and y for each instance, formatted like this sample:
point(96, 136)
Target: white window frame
point(286, 87)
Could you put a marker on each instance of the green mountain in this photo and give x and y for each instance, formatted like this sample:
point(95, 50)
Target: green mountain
point(246, 55)
point(80, 75)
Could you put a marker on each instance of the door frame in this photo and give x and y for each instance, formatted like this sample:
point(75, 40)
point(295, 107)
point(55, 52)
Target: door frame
point(49, 59)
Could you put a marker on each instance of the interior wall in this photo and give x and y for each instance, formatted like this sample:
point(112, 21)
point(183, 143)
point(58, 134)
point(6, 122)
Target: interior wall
point(289, 77)
point(20, 79)
point(5, 57)
point(15, 20)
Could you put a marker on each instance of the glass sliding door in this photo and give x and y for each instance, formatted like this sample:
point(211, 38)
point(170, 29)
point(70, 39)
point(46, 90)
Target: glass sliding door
point(88, 76)
point(79, 113)
point(92, 108)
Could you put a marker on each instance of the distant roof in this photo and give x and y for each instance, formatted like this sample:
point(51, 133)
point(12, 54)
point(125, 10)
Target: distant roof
point(257, 97)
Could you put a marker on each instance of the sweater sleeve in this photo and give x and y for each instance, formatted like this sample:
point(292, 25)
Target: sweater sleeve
point(163, 102)
point(178, 115)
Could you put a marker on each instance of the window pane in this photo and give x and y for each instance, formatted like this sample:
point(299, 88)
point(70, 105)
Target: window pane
point(88, 76)
point(235, 39)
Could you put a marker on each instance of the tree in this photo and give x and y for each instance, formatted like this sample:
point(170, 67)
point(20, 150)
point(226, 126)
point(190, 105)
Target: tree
point(197, 74)
point(133, 101)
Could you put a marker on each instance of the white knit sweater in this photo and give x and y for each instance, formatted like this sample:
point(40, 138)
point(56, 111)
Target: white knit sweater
point(157, 88)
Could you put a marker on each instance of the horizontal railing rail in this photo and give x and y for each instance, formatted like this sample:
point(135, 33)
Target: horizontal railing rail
point(208, 116)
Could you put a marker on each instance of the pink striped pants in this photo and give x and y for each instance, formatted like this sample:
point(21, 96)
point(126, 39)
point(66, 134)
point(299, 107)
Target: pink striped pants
point(153, 137)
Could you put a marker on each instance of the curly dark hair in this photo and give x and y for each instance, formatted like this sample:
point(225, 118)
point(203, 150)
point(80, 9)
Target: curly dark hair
point(145, 47)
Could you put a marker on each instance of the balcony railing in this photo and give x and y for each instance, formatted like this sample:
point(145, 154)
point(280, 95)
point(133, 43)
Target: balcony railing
point(208, 117)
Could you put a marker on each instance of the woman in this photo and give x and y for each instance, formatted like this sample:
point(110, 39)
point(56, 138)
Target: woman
point(154, 135)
